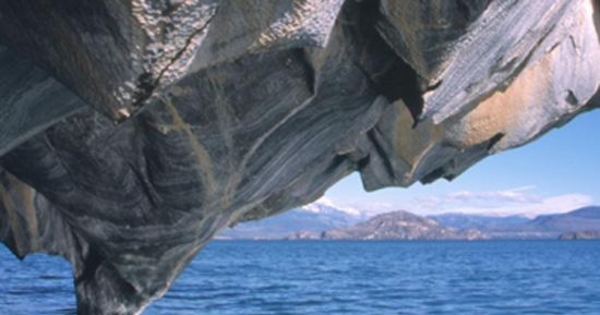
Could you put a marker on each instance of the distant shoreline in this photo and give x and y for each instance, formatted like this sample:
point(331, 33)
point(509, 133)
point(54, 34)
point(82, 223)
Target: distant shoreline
point(402, 241)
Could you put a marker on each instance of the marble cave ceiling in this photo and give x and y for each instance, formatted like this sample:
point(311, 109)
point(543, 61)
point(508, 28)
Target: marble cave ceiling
point(131, 131)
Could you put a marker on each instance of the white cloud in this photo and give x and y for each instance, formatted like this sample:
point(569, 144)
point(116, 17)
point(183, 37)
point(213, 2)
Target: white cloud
point(525, 201)
point(376, 207)
point(517, 201)
point(515, 195)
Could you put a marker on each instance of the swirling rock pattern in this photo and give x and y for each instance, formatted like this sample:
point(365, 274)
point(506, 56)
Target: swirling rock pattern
point(132, 131)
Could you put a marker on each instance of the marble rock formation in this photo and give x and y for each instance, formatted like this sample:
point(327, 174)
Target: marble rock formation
point(132, 130)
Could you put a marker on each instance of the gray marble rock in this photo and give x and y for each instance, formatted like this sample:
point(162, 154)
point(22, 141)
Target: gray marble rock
point(132, 131)
point(32, 100)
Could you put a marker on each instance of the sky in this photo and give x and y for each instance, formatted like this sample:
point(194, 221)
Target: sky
point(558, 172)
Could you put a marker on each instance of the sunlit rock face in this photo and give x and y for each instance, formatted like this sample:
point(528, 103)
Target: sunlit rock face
point(132, 131)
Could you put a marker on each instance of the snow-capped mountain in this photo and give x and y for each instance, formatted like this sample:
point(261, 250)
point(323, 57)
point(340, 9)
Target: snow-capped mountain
point(326, 205)
point(316, 217)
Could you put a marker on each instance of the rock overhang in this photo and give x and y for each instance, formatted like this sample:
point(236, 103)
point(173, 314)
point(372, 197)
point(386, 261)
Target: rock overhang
point(189, 116)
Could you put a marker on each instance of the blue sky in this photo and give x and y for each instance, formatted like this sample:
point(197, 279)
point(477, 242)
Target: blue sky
point(556, 173)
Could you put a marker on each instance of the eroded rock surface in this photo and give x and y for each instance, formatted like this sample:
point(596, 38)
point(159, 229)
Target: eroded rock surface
point(132, 131)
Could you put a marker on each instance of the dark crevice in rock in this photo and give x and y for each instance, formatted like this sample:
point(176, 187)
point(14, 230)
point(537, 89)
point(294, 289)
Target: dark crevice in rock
point(412, 28)
point(571, 98)
point(380, 151)
point(495, 139)
point(470, 10)
point(377, 169)
point(363, 163)
point(91, 262)
point(301, 56)
point(389, 75)
point(434, 175)
point(463, 160)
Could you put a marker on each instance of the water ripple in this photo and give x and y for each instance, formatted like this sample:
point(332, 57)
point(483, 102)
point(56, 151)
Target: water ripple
point(335, 278)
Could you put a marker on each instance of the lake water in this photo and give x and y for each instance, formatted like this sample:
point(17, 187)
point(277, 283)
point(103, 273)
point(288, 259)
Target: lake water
point(279, 278)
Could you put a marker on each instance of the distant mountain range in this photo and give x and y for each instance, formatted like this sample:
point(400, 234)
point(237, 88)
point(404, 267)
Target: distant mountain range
point(308, 220)
point(579, 220)
point(400, 225)
point(495, 227)
point(480, 222)
point(326, 221)
point(582, 235)
point(520, 227)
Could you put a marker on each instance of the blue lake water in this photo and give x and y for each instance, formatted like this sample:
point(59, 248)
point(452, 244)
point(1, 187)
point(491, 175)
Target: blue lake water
point(279, 278)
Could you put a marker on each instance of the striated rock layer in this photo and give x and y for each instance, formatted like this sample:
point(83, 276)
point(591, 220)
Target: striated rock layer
point(133, 130)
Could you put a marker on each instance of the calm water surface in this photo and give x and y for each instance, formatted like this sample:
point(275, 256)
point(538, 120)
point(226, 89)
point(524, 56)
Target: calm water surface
point(279, 278)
